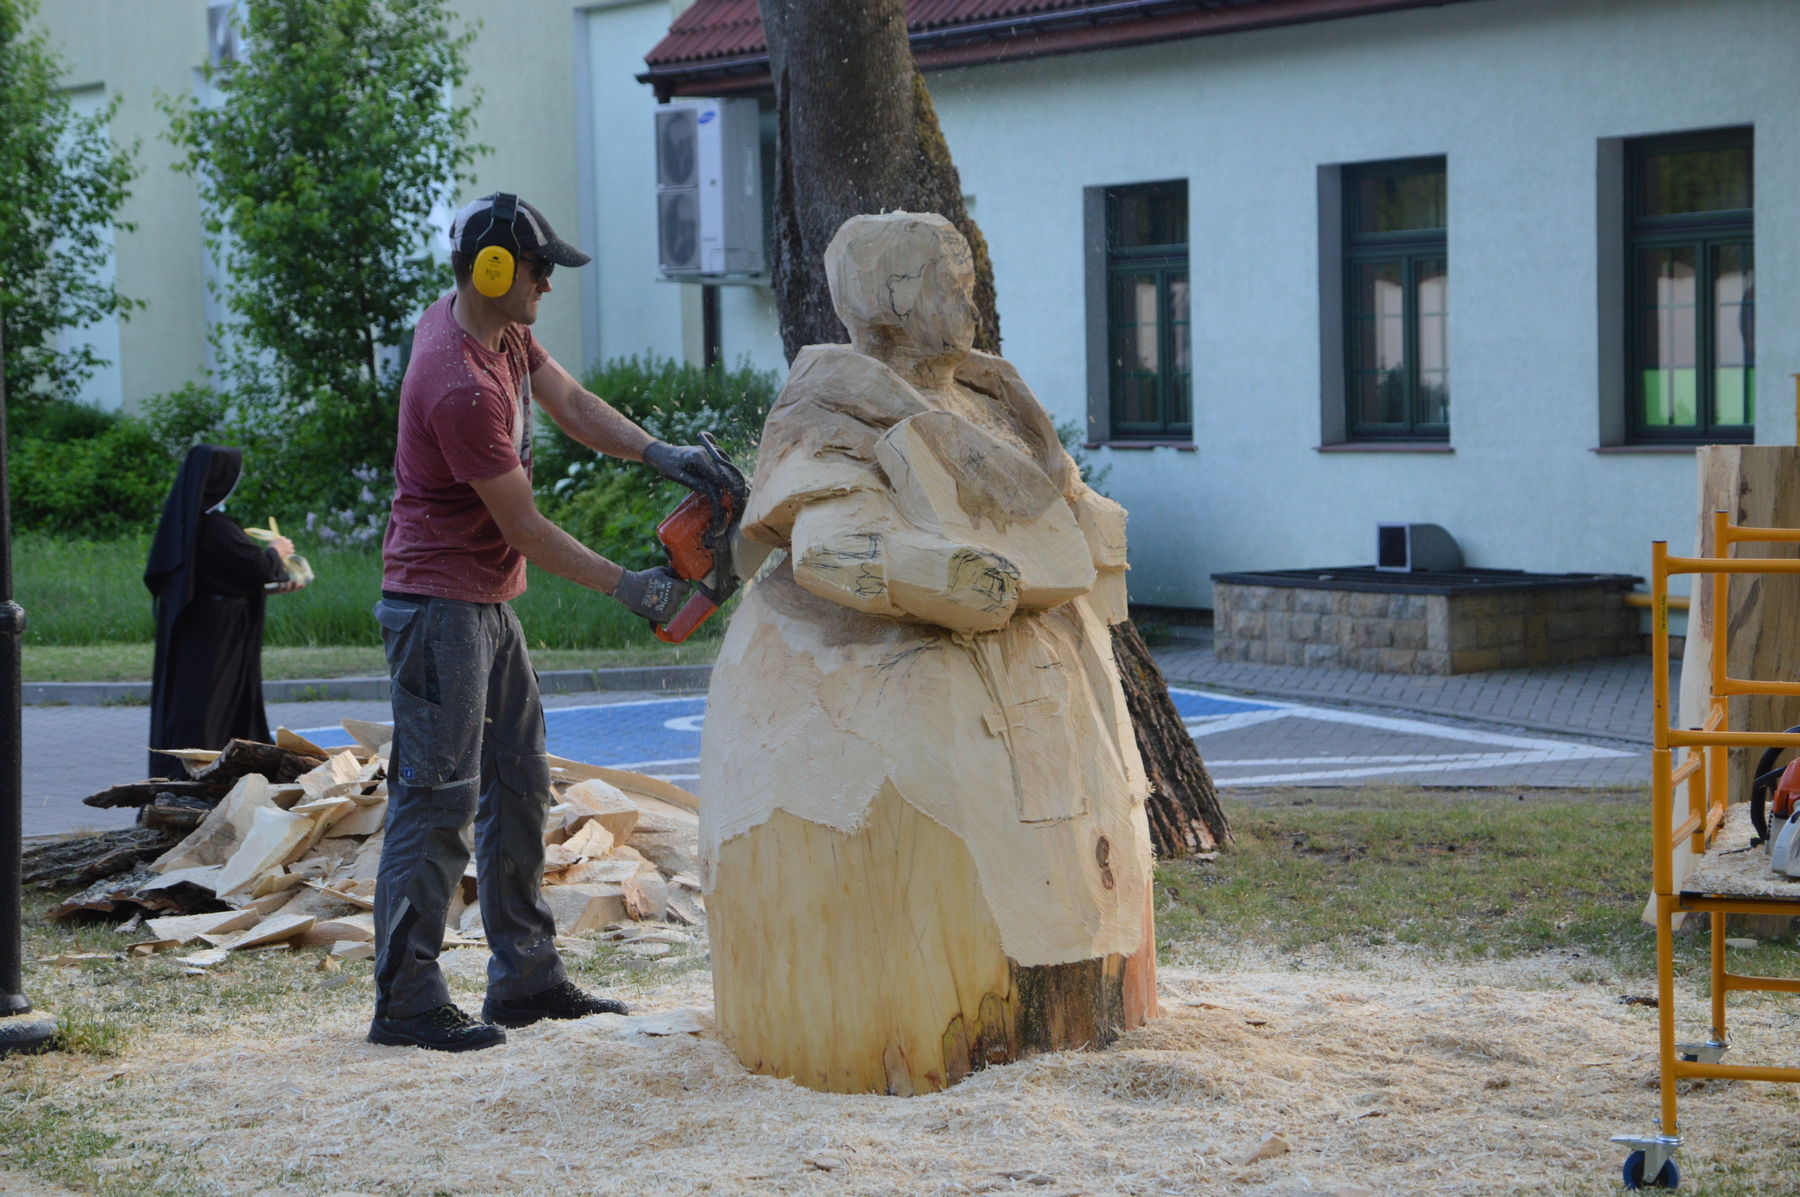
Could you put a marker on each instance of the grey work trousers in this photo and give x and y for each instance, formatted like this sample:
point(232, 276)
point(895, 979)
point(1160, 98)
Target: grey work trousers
point(468, 748)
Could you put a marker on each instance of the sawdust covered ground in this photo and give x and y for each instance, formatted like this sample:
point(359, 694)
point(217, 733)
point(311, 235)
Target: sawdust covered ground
point(1404, 1075)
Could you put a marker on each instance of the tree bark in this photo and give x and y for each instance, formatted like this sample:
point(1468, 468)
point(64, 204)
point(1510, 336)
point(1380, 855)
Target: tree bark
point(858, 134)
point(1185, 815)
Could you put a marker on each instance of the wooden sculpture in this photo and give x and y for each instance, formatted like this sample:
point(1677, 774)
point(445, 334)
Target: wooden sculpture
point(922, 826)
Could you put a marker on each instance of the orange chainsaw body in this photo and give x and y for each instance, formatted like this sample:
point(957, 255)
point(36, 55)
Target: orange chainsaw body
point(696, 553)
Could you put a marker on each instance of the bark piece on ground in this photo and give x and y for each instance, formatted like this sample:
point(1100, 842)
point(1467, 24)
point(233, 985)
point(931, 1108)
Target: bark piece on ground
point(143, 793)
point(177, 812)
point(107, 895)
point(242, 757)
point(89, 858)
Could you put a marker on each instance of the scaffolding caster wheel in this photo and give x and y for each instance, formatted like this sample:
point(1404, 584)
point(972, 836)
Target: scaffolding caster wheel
point(1668, 1178)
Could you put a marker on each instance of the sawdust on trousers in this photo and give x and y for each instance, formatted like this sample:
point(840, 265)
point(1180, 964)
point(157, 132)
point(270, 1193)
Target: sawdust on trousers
point(1398, 1077)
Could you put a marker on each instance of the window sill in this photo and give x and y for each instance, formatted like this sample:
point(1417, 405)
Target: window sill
point(1183, 446)
point(1634, 449)
point(1385, 447)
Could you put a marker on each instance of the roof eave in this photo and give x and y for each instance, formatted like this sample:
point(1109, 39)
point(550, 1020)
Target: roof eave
point(1115, 25)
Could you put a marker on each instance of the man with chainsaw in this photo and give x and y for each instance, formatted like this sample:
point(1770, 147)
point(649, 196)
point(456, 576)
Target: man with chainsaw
point(468, 722)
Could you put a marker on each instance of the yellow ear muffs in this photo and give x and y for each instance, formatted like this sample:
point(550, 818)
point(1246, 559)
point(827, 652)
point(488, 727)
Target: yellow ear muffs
point(494, 271)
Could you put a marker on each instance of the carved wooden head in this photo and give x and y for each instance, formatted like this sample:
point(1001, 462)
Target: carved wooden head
point(903, 283)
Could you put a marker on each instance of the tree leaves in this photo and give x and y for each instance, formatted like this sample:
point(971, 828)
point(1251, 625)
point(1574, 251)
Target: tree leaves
point(334, 137)
point(61, 183)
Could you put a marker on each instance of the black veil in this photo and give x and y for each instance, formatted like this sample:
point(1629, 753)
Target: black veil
point(207, 476)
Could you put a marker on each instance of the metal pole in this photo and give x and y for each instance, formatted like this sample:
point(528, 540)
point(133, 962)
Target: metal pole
point(17, 1033)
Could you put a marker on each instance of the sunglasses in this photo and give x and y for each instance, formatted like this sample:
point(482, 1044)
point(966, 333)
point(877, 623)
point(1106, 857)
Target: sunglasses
point(540, 269)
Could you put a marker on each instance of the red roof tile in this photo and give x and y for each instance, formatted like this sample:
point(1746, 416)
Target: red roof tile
point(717, 46)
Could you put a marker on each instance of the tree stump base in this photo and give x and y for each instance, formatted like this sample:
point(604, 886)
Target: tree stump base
point(869, 963)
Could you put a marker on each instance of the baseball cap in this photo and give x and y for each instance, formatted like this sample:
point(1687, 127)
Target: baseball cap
point(534, 233)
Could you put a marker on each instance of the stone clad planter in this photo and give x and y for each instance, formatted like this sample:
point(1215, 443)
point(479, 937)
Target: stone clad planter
point(1356, 617)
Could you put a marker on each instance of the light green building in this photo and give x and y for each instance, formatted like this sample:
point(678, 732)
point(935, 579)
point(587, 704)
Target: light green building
point(525, 67)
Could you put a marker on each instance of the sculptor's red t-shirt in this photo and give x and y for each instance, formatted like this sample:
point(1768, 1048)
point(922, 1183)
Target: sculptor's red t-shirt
point(465, 416)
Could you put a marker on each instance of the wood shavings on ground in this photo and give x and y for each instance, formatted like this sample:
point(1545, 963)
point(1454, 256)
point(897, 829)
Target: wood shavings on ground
point(1389, 1073)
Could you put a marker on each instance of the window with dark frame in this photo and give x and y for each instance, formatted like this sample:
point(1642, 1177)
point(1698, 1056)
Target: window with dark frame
point(1150, 355)
point(1396, 302)
point(1691, 288)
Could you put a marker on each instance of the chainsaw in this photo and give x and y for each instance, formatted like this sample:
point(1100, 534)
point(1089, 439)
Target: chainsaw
point(1775, 811)
point(704, 546)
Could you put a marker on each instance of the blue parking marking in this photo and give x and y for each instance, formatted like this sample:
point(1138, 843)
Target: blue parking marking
point(1193, 704)
point(666, 731)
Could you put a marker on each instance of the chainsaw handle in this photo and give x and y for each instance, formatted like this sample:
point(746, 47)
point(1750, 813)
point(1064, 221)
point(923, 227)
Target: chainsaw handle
point(693, 613)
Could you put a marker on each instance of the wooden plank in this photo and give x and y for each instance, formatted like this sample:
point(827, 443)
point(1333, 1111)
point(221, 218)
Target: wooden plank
point(370, 736)
point(274, 929)
point(295, 742)
point(596, 801)
point(272, 835)
point(185, 927)
point(633, 784)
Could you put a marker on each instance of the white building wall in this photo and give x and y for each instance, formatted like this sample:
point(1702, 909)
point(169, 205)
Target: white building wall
point(639, 313)
point(1516, 94)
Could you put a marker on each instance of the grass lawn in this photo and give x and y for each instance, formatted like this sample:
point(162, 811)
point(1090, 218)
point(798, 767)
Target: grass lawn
point(1463, 873)
point(1347, 889)
point(90, 596)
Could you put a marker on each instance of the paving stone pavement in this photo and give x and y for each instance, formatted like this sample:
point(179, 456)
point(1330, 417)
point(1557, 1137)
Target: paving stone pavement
point(1608, 697)
point(1585, 724)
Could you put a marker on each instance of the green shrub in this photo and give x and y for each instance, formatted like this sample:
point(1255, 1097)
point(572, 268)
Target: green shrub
point(613, 507)
point(80, 471)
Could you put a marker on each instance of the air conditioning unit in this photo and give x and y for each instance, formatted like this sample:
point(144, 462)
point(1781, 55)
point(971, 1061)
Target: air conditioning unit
point(1412, 548)
point(709, 224)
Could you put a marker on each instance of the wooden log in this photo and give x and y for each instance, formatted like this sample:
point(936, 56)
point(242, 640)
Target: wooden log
point(174, 812)
point(143, 793)
point(241, 757)
point(892, 978)
point(1184, 811)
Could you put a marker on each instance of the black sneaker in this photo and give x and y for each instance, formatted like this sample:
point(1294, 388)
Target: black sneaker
point(445, 1029)
point(559, 1001)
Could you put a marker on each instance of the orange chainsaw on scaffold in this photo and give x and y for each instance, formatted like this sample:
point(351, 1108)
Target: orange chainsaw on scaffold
point(704, 546)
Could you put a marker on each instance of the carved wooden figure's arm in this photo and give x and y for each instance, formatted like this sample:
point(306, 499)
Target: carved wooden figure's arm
point(967, 531)
point(857, 550)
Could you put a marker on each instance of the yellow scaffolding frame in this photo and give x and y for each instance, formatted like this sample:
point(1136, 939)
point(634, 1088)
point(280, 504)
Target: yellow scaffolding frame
point(1703, 773)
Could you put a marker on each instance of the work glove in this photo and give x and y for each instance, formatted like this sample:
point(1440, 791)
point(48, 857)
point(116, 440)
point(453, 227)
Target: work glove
point(690, 465)
point(656, 594)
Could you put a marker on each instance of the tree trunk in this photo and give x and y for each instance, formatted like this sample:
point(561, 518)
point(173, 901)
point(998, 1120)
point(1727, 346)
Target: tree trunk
point(1184, 810)
point(859, 134)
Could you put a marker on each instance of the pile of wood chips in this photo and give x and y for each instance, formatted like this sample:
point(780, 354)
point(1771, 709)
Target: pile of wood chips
point(282, 844)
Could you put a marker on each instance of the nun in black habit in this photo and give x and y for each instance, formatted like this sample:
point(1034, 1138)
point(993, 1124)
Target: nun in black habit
point(209, 581)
